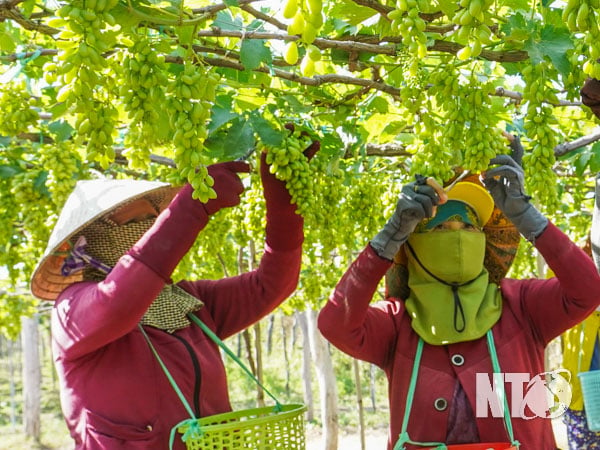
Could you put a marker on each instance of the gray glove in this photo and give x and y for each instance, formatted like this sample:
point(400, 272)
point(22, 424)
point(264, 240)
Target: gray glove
point(505, 184)
point(416, 203)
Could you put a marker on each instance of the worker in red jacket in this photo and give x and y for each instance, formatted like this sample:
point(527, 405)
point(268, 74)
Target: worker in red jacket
point(440, 345)
point(108, 266)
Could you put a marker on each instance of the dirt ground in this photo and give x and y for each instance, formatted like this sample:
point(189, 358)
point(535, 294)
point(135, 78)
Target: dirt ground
point(376, 439)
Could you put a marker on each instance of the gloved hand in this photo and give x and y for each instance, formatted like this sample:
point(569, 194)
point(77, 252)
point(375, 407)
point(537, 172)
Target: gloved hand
point(417, 201)
point(228, 185)
point(590, 95)
point(505, 184)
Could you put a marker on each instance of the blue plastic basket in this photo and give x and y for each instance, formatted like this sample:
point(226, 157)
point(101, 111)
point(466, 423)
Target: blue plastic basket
point(590, 387)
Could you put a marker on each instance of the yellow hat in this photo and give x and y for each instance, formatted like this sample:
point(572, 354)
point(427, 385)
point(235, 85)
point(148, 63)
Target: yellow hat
point(476, 196)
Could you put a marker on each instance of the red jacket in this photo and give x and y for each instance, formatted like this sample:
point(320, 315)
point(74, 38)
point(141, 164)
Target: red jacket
point(114, 394)
point(534, 312)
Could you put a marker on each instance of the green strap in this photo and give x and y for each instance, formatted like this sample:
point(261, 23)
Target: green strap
point(404, 438)
point(226, 349)
point(500, 388)
point(193, 428)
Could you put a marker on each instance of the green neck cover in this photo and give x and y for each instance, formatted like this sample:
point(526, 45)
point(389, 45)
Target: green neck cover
point(451, 299)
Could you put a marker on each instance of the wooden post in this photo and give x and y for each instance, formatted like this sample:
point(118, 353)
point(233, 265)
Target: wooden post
point(359, 399)
point(32, 377)
point(327, 383)
point(306, 367)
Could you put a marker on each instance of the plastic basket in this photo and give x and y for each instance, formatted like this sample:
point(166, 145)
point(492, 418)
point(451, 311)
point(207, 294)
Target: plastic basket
point(257, 428)
point(590, 387)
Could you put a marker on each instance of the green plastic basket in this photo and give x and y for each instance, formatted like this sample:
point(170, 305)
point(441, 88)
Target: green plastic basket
point(590, 387)
point(258, 428)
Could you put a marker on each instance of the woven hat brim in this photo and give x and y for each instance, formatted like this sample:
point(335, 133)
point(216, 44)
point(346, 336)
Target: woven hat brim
point(47, 281)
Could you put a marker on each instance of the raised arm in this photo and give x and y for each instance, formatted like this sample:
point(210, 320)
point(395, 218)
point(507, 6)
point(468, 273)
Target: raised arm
point(237, 302)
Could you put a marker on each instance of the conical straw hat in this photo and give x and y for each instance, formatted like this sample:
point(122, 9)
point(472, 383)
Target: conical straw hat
point(89, 201)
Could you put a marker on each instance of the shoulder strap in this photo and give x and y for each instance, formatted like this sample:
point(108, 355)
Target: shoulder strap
point(404, 438)
point(192, 426)
point(226, 349)
point(500, 388)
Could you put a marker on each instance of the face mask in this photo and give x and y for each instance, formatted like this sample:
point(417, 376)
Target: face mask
point(450, 299)
point(453, 256)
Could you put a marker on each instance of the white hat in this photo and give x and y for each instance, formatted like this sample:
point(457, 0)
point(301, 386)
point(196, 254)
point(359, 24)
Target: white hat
point(89, 201)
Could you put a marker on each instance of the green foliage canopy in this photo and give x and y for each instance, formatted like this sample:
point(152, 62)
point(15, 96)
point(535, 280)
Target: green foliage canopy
point(159, 89)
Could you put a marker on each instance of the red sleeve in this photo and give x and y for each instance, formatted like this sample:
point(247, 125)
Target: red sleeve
point(237, 302)
point(349, 322)
point(557, 304)
point(89, 315)
point(172, 234)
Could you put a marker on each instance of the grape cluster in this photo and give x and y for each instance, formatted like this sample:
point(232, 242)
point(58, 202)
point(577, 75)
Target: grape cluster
point(192, 95)
point(142, 91)
point(481, 141)
point(463, 134)
point(32, 218)
point(289, 164)
point(249, 216)
point(311, 56)
point(539, 119)
point(474, 16)
point(364, 202)
point(584, 16)
point(307, 20)
point(430, 158)
point(408, 24)
point(17, 107)
point(82, 42)
point(63, 163)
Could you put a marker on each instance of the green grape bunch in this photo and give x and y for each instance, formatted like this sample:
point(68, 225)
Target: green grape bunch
point(307, 18)
point(474, 18)
point(63, 163)
point(583, 16)
point(408, 24)
point(538, 124)
point(481, 142)
point(33, 218)
point(289, 164)
point(18, 108)
point(307, 21)
point(142, 90)
point(79, 70)
point(191, 95)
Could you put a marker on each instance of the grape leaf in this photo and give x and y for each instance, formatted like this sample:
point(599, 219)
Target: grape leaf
point(552, 43)
point(254, 52)
point(267, 133)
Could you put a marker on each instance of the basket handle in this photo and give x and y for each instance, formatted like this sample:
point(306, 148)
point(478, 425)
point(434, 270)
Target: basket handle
point(226, 349)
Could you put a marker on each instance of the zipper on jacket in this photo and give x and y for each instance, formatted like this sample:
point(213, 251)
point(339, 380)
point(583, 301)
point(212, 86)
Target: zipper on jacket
point(197, 374)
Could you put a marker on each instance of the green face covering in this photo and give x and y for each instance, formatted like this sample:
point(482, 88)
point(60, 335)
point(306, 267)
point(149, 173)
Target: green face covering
point(450, 297)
